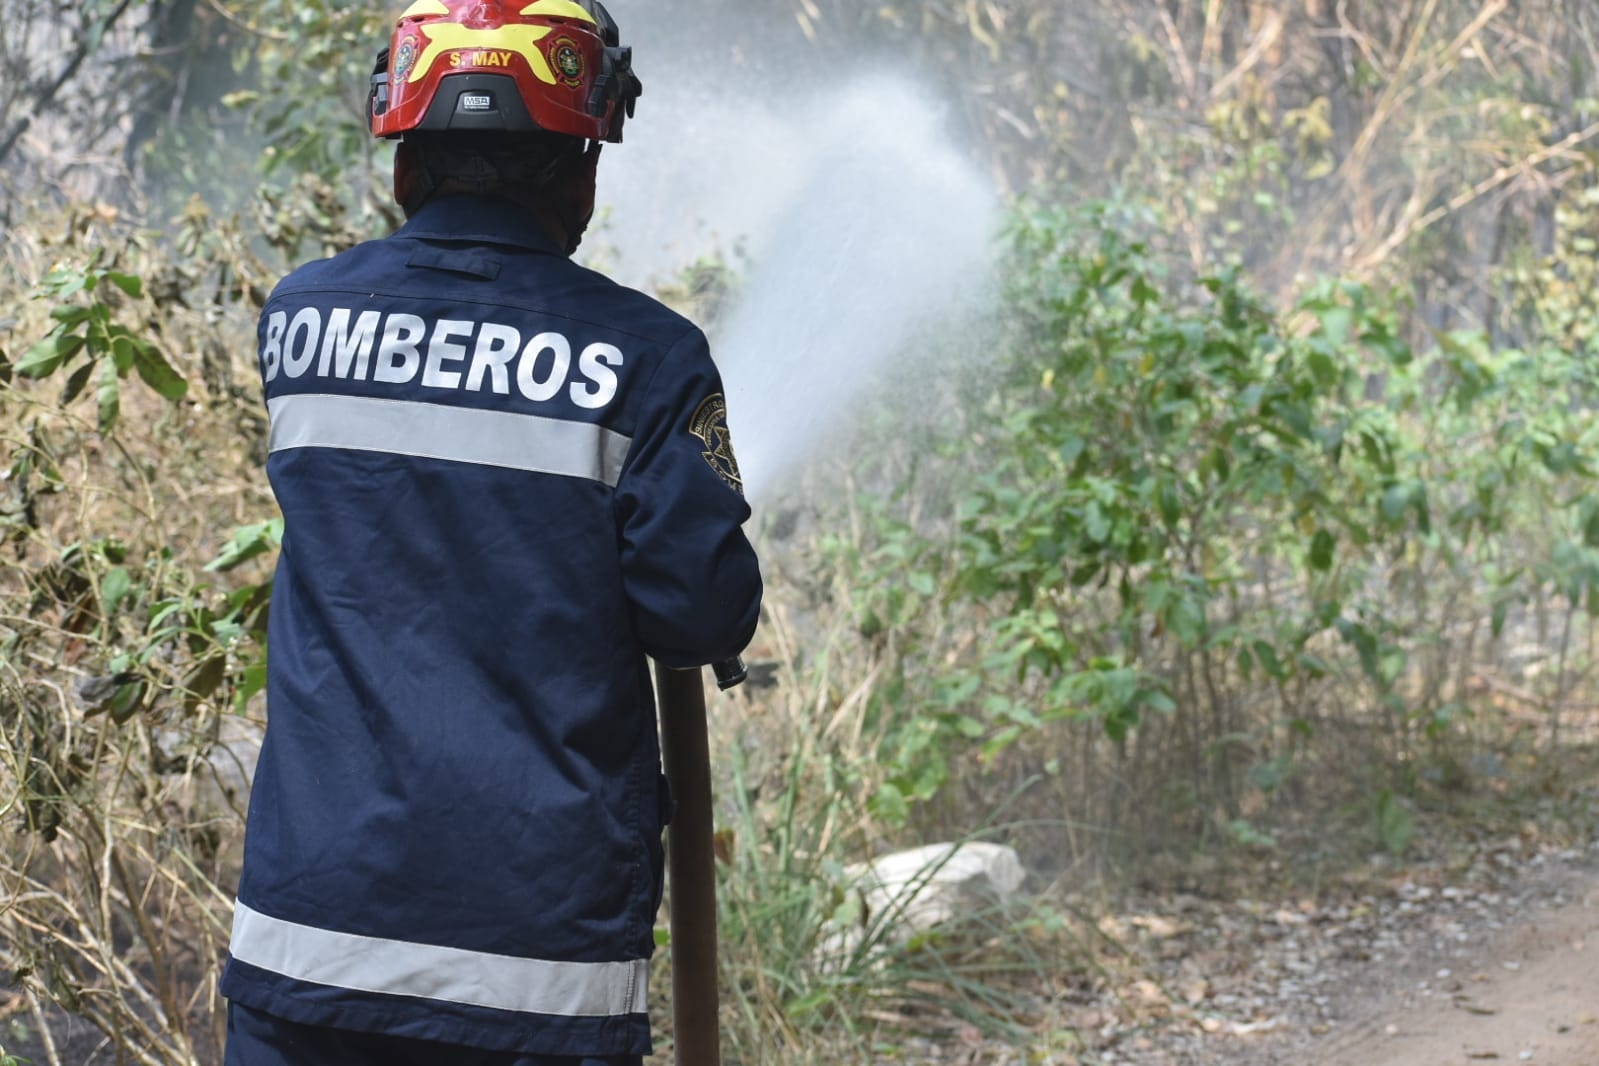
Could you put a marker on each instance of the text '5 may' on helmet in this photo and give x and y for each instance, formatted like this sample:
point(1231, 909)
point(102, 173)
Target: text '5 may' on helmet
point(518, 67)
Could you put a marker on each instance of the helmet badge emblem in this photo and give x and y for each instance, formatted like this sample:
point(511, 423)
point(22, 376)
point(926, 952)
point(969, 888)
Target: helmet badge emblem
point(567, 59)
point(404, 59)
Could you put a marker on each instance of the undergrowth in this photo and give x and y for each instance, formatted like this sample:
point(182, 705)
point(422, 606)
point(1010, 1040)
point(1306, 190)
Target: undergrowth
point(1196, 586)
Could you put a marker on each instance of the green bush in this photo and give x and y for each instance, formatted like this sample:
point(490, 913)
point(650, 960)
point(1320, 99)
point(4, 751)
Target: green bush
point(1252, 524)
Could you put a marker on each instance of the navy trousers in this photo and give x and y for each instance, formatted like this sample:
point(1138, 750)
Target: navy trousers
point(259, 1039)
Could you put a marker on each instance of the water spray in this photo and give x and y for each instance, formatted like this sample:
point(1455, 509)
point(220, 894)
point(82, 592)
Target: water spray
point(874, 232)
point(864, 227)
point(888, 236)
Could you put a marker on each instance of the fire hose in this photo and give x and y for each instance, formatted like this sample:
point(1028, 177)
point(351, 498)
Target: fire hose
point(691, 860)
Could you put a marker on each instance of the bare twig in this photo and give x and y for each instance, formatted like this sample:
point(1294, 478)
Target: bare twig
point(1415, 223)
point(249, 27)
point(46, 1037)
point(86, 44)
point(1268, 36)
point(1492, 10)
point(1179, 52)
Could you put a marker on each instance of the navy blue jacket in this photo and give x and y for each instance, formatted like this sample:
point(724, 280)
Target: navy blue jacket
point(506, 481)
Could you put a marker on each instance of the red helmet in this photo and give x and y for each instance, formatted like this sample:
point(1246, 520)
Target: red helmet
point(516, 67)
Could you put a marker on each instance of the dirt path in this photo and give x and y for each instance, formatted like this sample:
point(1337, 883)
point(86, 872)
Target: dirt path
point(1531, 994)
point(1486, 953)
point(1515, 980)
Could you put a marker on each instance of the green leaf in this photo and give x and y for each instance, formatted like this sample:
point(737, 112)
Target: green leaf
point(1245, 833)
point(109, 395)
point(1501, 612)
point(76, 383)
point(116, 584)
point(1394, 502)
point(890, 804)
point(46, 357)
point(1336, 323)
point(1314, 666)
point(121, 346)
point(1266, 656)
point(252, 679)
point(127, 701)
point(1000, 741)
point(1268, 776)
point(65, 281)
point(1159, 701)
point(810, 1003)
point(162, 610)
point(157, 372)
point(1321, 550)
point(969, 727)
point(204, 680)
point(128, 283)
point(1365, 645)
point(70, 315)
point(1120, 722)
point(1322, 368)
point(1072, 450)
point(1171, 506)
point(1395, 827)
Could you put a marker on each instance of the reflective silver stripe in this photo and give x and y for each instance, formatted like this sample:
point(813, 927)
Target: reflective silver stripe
point(436, 431)
point(399, 968)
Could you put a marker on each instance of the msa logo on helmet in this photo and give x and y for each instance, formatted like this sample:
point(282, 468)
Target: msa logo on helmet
point(477, 102)
point(481, 57)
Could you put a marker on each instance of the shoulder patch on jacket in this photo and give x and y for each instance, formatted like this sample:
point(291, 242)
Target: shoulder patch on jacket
point(709, 424)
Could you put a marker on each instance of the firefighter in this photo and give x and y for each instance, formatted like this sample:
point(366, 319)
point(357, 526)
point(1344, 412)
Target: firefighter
point(506, 481)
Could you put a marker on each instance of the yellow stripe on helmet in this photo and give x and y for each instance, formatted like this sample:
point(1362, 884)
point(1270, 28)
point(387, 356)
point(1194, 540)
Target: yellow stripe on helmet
point(561, 9)
point(425, 7)
point(452, 36)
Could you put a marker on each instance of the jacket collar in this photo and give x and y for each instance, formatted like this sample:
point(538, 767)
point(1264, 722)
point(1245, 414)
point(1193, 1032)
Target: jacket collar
point(485, 219)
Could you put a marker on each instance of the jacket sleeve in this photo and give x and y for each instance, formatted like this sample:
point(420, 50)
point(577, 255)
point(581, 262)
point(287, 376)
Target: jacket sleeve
point(690, 573)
